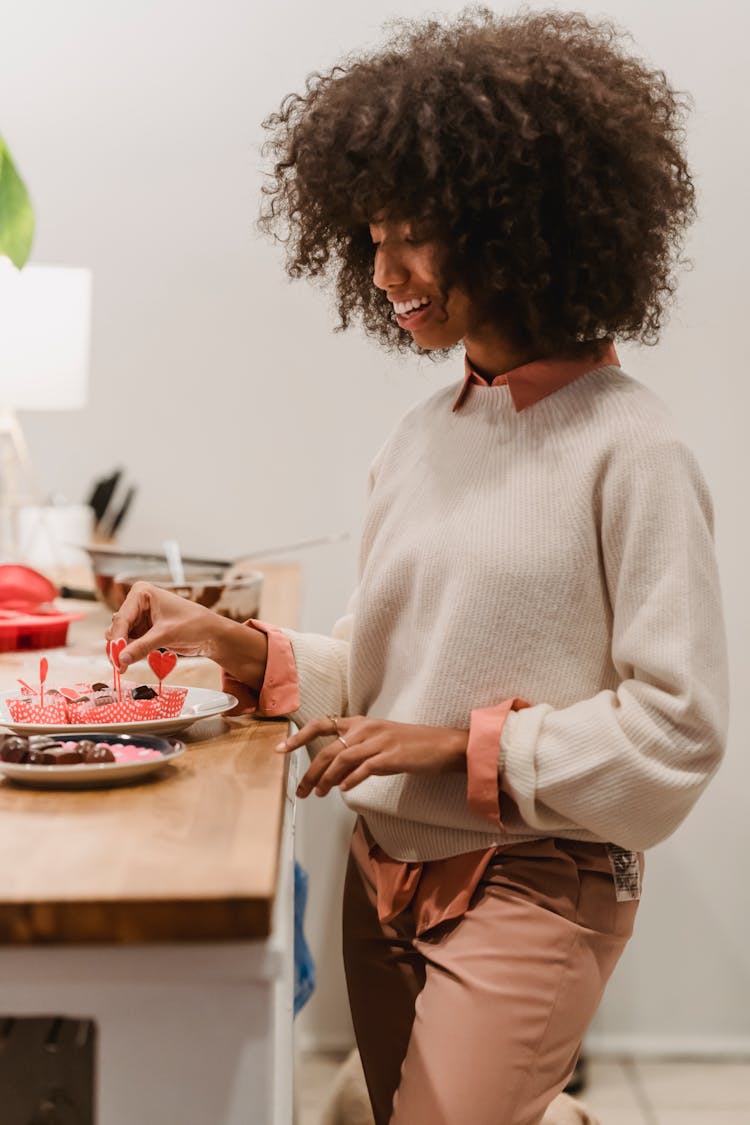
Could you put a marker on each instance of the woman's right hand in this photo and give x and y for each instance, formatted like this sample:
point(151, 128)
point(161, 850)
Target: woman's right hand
point(152, 618)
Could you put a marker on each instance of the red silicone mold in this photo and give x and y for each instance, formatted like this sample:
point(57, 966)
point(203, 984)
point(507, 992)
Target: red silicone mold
point(27, 619)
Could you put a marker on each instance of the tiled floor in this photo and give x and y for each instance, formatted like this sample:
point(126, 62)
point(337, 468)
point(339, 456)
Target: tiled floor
point(621, 1091)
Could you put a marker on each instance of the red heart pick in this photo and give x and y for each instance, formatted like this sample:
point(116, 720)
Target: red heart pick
point(162, 663)
point(43, 669)
point(114, 648)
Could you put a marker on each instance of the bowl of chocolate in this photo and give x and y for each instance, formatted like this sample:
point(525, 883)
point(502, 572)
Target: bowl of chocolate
point(82, 761)
point(108, 562)
point(236, 596)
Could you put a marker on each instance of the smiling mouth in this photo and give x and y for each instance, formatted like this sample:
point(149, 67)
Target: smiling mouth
point(413, 317)
point(413, 304)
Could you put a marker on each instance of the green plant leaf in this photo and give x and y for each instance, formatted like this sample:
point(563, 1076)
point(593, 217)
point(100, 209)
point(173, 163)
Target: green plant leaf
point(16, 212)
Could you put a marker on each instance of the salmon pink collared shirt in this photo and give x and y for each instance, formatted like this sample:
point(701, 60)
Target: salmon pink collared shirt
point(439, 890)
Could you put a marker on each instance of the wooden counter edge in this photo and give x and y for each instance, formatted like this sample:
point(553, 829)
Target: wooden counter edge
point(142, 921)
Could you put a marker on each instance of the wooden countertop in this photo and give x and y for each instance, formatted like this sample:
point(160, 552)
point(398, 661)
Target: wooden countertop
point(190, 854)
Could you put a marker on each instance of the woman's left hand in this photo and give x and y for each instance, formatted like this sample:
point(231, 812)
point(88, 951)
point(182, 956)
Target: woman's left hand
point(361, 747)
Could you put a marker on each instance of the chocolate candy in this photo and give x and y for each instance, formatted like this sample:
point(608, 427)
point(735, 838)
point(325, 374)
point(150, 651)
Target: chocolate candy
point(42, 741)
point(62, 756)
point(104, 700)
point(99, 687)
point(144, 691)
point(14, 749)
point(47, 751)
point(41, 757)
point(43, 750)
point(98, 752)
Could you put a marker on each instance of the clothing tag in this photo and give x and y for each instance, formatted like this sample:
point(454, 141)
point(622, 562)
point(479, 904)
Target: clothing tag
point(626, 872)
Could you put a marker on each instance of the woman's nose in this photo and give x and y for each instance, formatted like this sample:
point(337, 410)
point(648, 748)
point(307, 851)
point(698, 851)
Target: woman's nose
point(389, 270)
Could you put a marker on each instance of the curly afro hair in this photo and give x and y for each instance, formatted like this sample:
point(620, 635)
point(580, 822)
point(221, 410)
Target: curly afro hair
point(547, 160)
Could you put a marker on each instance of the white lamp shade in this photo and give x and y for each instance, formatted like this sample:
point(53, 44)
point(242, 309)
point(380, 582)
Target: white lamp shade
point(45, 326)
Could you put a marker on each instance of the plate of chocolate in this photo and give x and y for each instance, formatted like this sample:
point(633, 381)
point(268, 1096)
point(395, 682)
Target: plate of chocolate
point(123, 706)
point(89, 707)
point(95, 759)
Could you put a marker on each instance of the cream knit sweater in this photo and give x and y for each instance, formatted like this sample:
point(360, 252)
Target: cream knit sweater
point(562, 554)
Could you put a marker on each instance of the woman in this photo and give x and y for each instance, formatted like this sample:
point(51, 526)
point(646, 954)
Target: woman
point(530, 688)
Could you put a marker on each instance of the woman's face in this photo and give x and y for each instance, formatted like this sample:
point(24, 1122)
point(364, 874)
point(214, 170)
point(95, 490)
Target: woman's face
point(407, 269)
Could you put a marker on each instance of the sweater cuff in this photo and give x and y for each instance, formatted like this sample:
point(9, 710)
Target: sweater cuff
point(279, 693)
point(482, 754)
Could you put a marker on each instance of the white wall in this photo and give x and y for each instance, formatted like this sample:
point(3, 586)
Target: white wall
point(245, 421)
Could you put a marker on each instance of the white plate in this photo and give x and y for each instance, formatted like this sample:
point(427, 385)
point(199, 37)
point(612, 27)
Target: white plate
point(200, 703)
point(99, 775)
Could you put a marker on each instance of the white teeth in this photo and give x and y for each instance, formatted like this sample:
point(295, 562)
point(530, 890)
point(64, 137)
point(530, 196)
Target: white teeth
point(404, 307)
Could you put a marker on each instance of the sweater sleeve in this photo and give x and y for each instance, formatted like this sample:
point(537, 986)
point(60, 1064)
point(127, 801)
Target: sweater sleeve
point(306, 676)
point(323, 662)
point(629, 764)
point(322, 670)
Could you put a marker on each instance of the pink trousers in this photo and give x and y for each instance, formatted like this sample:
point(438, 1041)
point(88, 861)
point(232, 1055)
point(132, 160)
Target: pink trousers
point(480, 1020)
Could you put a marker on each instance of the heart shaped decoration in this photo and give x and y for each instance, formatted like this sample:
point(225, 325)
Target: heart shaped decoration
point(162, 663)
point(114, 649)
point(43, 670)
point(69, 693)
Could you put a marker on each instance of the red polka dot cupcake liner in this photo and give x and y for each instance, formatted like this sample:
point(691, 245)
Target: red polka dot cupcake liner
point(168, 705)
point(27, 711)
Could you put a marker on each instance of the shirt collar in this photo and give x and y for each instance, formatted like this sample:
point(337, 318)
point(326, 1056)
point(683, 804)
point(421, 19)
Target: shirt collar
point(533, 381)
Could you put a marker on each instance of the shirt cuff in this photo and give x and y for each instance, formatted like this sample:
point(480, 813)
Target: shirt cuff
point(482, 753)
point(279, 693)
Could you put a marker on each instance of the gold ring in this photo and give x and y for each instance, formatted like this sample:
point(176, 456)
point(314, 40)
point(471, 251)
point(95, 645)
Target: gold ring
point(335, 721)
point(343, 741)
